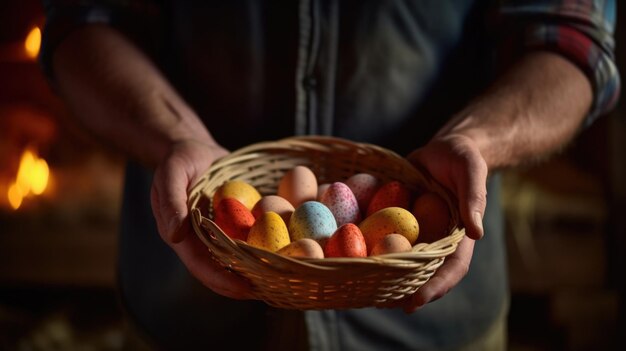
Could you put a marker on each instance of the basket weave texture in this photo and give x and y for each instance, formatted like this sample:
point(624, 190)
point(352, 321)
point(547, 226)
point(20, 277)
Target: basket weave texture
point(329, 283)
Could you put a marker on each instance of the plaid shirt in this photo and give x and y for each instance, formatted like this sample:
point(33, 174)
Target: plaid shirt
point(580, 30)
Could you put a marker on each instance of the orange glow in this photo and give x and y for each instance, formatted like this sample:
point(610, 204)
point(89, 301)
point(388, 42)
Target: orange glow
point(33, 42)
point(15, 196)
point(32, 177)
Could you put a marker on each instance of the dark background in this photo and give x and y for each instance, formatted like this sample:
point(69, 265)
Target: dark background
point(565, 223)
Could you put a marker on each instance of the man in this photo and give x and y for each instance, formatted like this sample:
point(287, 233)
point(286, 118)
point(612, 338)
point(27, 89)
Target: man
point(176, 84)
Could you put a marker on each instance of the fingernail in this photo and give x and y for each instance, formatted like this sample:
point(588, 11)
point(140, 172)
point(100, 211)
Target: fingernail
point(478, 221)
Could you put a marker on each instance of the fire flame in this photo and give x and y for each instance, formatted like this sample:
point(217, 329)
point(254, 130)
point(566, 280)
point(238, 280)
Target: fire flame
point(32, 178)
point(33, 42)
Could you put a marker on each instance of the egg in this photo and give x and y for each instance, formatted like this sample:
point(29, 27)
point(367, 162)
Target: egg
point(321, 189)
point(237, 189)
point(433, 215)
point(347, 241)
point(341, 202)
point(312, 220)
point(269, 232)
point(388, 221)
point(364, 186)
point(233, 218)
point(391, 194)
point(298, 186)
point(391, 243)
point(303, 248)
point(273, 203)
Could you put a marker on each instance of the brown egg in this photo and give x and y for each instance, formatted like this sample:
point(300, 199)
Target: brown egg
point(273, 203)
point(391, 243)
point(303, 248)
point(433, 215)
point(297, 186)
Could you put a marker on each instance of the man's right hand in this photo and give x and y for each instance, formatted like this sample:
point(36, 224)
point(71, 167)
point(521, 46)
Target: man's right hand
point(181, 168)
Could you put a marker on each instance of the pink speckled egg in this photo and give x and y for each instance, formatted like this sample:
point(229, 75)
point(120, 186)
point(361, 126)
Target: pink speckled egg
point(391, 194)
point(342, 203)
point(364, 186)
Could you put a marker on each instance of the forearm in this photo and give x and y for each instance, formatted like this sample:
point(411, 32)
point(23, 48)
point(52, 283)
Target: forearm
point(532, 110)
point(117, 94)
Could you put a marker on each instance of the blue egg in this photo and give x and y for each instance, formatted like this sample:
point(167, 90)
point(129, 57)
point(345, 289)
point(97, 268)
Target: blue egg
point(312, 220)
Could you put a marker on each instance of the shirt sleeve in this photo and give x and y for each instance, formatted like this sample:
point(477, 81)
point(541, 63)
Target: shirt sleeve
point(134, 18)
point(580, 30)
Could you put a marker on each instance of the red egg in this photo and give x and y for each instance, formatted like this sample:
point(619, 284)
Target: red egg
point(234, 218)
point(392, 194)
point(347, 241)
point(342, 203)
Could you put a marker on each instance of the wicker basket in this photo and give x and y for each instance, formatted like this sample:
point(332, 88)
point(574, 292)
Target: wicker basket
point(329, 283)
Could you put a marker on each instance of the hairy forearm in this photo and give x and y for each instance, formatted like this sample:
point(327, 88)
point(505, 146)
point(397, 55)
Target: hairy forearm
point(115, 92)
point(534, 109)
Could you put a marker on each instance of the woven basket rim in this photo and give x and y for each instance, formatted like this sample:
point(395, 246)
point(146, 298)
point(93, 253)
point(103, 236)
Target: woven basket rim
point(258, 263)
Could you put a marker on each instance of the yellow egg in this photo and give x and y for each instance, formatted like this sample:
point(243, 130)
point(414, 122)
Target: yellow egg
point(388, 221)
point(239, 190)
point(269, 232)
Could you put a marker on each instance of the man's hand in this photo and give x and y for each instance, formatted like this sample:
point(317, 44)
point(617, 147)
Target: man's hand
point(456, 163)
point(173, 177)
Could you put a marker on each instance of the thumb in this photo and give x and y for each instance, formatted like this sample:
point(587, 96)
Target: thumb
point(472, 192)
point(169, 199)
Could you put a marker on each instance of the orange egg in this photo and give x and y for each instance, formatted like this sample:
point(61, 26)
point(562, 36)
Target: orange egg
point(433, 215)
point(391, 194)
point(233, 218)
point(347, 241)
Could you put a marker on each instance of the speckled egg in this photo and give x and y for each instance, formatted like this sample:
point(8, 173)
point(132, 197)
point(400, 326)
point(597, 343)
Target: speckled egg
point(237, 189)
point(298, 186)
point(273, 203)
point(342, 203)
point(303, 248)
point(312, 220)
point(387, 221)
point(391, 194)
point(233, 218)
point(391, 243)
point(347, 241)
point(269, 232)
point(364, 186)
